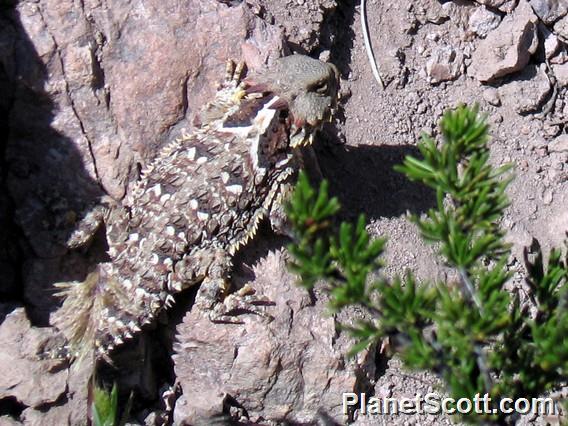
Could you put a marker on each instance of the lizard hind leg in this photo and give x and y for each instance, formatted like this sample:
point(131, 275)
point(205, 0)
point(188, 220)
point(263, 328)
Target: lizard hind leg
point(213, 295)
point(244, 300)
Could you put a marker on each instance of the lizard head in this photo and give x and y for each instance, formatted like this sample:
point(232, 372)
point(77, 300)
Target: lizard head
point(307, 87)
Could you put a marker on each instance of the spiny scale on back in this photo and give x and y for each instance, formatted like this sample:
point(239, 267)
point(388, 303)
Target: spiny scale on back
point(198, 202)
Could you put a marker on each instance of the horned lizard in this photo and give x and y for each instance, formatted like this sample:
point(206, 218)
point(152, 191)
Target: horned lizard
point(197, 203)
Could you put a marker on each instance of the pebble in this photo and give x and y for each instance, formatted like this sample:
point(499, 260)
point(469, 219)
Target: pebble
point(547, 196)
point(324, 56)
point(553, 175)
point(551, 130)
point(491, 95)
point(345, 93)
point(524, 165)
point(483, 20)
point(433, 37)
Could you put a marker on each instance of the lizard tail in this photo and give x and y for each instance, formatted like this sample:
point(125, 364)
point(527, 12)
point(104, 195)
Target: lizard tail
point(79, 316)
point(86, 315)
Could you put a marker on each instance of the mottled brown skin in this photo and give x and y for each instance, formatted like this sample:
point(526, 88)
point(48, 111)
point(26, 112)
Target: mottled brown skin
point(196, 204)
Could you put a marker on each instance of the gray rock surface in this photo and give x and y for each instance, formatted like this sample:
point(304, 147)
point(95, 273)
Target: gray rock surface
point(92, 91)
point(54, 416)
point(549, 10)
point(483, 20)
point(9, 421)
point(445, 64)
point(283, 370)
point(302, 21)
point(502, 5)
point(561, 74)
point(116, 93)
point(508, 48)
point(561, 28)
point(491, 95)
point(22, 375)
point(552, 44)
point(528, 92)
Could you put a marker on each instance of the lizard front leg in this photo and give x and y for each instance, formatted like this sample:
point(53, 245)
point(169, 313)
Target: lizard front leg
point(305, 159)
point(277, 216)
point(109, 212)
point(87, 227)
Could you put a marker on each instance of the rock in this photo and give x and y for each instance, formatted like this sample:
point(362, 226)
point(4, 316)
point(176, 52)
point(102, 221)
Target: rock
point(547, 196)
point(22, 375)
point(459, 12)
point(508, 48)
point(282, 371)
point(559, 144)
point(561, 57)
point(324, 56)
point(483, 20)
point(301, 21)
point(561, 73)
point(549, 10)
point(8, 281)
point(491, 95)
point(38, 277)
point(561, 28)
point(430, 11)
point(91, 99)
point(53, 416)
point(551, 43)
point(9, 421)
point(445, 63)
point(77, 393)
point(502, 5)
point(527, 92)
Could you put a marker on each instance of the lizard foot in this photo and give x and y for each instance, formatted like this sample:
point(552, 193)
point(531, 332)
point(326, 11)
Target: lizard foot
point(244, 301)
point(229, 308)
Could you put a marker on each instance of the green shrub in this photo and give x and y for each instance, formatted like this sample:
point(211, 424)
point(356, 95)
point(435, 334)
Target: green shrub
point(472, 333)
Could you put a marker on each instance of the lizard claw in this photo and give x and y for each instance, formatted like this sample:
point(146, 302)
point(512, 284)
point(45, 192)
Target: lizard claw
point(245, 300)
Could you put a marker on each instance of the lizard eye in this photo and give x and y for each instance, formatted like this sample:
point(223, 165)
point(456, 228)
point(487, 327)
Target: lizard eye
point(321, 87)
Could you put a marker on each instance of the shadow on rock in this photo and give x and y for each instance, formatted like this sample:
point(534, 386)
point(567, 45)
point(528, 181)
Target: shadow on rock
point(364, 180)
point(338, 36)
point(45, 183)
